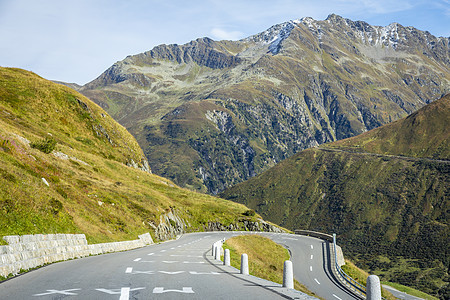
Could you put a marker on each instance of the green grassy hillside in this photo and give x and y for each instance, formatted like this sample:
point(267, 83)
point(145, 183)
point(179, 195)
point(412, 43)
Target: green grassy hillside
point(390, 212)
point(424, 133)
point(49, 131)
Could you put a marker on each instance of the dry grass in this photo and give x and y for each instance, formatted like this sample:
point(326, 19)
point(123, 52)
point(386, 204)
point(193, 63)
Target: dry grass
point(93, 192)
point(265, 258)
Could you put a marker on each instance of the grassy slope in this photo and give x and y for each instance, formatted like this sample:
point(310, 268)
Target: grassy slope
point(93, 192)
point(265, 258)
point(424, 133)
point(390, 214)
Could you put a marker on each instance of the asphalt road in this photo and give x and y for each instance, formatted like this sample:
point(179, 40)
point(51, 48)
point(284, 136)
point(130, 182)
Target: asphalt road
point(178, 269)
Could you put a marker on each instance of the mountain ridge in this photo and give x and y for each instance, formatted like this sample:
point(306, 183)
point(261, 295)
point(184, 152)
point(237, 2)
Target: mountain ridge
point(385, 198)
point(294, 86)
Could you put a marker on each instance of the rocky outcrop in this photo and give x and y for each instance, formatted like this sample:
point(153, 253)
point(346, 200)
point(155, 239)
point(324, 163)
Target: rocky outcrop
point(244, 225)
point(232, 109)
point(170, 226)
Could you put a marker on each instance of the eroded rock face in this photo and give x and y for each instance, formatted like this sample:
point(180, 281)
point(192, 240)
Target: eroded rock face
point(231, 109)
point(171, 225)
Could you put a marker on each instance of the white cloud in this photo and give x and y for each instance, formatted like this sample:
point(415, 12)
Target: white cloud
point(221, 34)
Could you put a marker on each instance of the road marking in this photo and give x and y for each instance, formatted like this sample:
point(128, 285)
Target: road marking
point(291, 239)
point(312, 247)
point(137, 259)
point(147, 261)
point(312, 256)
point(117, 291)
point(336, 297)
point(183, 255)
point(172, 248)
point(185, 290)
point(124, 293)
point(62, 292)
point(171, 273)
point(163, 251)
point(170, 261)
point(203, 273)
point(310, 268)
point(129, 270)
point(179, 246)
point(317, 280)
point(150, 253)
point(144, 272)
point(193, 262)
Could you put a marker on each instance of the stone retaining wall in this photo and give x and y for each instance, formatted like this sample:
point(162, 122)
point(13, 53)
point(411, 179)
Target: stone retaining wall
point(30, 251)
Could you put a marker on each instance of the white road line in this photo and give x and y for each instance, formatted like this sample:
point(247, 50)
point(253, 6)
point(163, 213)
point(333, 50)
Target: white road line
point(172, 248)
point(171, 273)
point(185, 290)
point(163, 251)
point(137, 259)
point(315, 279)
point(310, 268)
point(336, 297)
point(150, 253)
point(312, 256)
point(193, 262)
point(312, 247)
point(129, 270)
point(170, 261)
point(203, 273)
point(124, 293)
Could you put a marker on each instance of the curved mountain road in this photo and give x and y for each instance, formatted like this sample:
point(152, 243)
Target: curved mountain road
point(175, 270)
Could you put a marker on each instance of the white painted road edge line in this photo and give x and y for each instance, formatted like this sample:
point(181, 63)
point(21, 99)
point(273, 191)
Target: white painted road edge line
point(310, 268)
point(124, 293)
point(312, 247)
point(336, 297)
point(129, 270)
point(312, 256)
point(137, 259)
point(317, 280)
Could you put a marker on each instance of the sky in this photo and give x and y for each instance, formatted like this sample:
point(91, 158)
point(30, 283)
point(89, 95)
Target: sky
point(77, 40)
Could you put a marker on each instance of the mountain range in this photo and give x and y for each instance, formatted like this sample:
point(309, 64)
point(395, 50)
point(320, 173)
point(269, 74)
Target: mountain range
point(385, 193)
point(210, 114)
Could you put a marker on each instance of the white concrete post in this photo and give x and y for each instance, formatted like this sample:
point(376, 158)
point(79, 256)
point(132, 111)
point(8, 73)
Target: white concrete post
point(244, 264)
point(373, 288)
point(288, 275)
point(226, 257)
point(218, 252)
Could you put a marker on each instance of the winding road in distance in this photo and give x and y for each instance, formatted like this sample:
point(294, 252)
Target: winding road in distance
point(180, 269)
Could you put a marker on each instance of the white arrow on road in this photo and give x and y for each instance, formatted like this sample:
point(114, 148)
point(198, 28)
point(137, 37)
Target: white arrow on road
point(203, 273)
point(63, 292)
point(118, 291)
point(185, 290)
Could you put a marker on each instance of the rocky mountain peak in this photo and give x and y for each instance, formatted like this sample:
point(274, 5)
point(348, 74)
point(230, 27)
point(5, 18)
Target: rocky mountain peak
point(261, 99)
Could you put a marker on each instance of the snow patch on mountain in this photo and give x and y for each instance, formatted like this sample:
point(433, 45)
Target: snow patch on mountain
point(274, 36)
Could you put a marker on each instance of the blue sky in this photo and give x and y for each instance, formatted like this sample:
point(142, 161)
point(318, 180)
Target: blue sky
point(76, 40)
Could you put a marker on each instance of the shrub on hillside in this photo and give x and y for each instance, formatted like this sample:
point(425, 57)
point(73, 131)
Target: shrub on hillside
point(46, 145)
